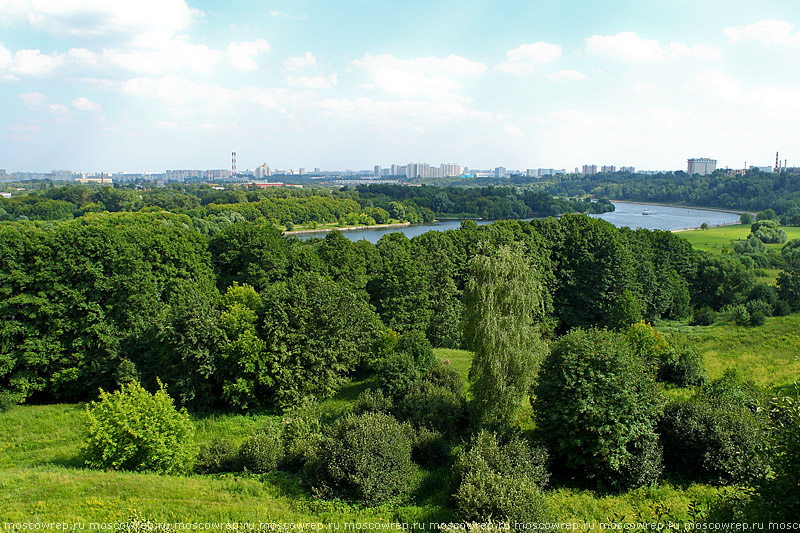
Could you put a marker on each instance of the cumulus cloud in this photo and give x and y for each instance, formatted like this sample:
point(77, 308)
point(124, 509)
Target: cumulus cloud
point(315, 82)
point(305, 61)
point(84, 104)
point(568, 75)
point(766, 32)
point(513, 131)
point(716, 83)
point(429, 78)
point(33, 101)
point(242, 56)
point(525, 59)
point(630, 48)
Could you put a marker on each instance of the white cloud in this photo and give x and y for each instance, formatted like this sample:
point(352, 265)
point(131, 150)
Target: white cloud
point(698, 51)
point(33, 101)
point(58, 109)
point(281, 14)
point(305, 61)
point(383, 112)
point(716, 83)
point(568, 75)
point(242, 56)
point(315, 82)
point(162, 56)
point(525, 59)
point(513, 131)
point(84, 104)
point(425, 77)
point(99, 18)
point(766, 32)
point(625, 46)
point(630, 48)
point(32, 63)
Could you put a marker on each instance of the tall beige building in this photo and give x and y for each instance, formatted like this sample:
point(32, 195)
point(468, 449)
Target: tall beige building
point(701, 165)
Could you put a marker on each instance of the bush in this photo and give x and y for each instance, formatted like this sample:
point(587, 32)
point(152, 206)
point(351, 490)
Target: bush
point(430, 449)
point(759, 306)
point(738, 314)
point(711, 443)
point(7, 400)
point(758, 318)
point(302, 433)
point(681, 364)
point(703, 316)
point(219, 456)
point(365, 458)
point(447, 377)
point(372, 401)
point(415, 344)
point(596, 407)
point(435, 408)
point(501, 481)
point(260, 453)
point(131, 429)
point(398, 373)
point(782, 308)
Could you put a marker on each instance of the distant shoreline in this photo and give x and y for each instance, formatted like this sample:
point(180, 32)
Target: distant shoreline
point(347, 228)
point(682, 205)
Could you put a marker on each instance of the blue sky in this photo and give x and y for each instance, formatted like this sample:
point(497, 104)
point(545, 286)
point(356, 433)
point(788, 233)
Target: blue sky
point(92, 85)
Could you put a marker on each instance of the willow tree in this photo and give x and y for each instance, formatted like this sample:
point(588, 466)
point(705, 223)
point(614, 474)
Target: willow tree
point(504, 304)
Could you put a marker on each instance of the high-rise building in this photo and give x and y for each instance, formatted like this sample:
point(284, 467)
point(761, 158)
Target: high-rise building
point(701, 166)
point(447, 170)
point(500, 172)
point(590, 169)
point(627, 169)
point(262, 171)
point(376, 171)
point(608, 168)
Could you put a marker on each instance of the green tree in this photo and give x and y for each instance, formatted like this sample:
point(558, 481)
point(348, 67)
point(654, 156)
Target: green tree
point(503, 305)
point(596, 406)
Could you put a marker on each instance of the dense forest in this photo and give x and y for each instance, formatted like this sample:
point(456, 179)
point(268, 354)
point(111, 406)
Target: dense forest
point(201, 296)
point(212, 209)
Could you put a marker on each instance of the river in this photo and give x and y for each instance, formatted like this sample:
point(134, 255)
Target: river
point(626, 214)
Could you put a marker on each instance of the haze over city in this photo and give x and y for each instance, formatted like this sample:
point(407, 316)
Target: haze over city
point(158, 84)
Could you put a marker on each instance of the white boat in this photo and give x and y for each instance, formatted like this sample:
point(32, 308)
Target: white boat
point(647, 212)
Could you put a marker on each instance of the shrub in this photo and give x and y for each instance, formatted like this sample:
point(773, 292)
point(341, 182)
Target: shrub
point(759, 306)
point(782, 308)
point(501, 481)
point(302, 433)
point(436, 408)
point(219, 456)
point(7, 400)
point(447, 377)
point(711, 443)
point(758, 318)
point(596, 407)
point(649, 344)
point(733, 389)
point(681, 364)
point(738, 314)
point(372, 401)
point(260, 453)
point(703, 316)
point(366, 458)
point(398, 373)
point(430, 449)
point(415, 344)
point(131, 429)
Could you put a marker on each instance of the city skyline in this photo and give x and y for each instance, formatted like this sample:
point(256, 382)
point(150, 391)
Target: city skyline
point(180, 84)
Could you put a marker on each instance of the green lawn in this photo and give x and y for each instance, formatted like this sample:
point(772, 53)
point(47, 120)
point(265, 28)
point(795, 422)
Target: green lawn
point(716, 239)
point(42, 477)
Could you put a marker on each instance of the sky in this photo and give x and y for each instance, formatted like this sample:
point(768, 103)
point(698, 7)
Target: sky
point(150, 85)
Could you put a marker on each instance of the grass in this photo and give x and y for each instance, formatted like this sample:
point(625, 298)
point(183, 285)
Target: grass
point(768, 354)
point(716, 239)
point(42, 477)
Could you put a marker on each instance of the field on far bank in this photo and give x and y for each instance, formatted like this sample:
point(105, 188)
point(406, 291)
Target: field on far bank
point(715, 239)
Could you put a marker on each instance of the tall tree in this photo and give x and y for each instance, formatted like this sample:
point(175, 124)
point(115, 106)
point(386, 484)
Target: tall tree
point(503, 304)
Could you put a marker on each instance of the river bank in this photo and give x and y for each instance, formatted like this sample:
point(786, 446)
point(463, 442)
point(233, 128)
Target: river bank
point(347, 228)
